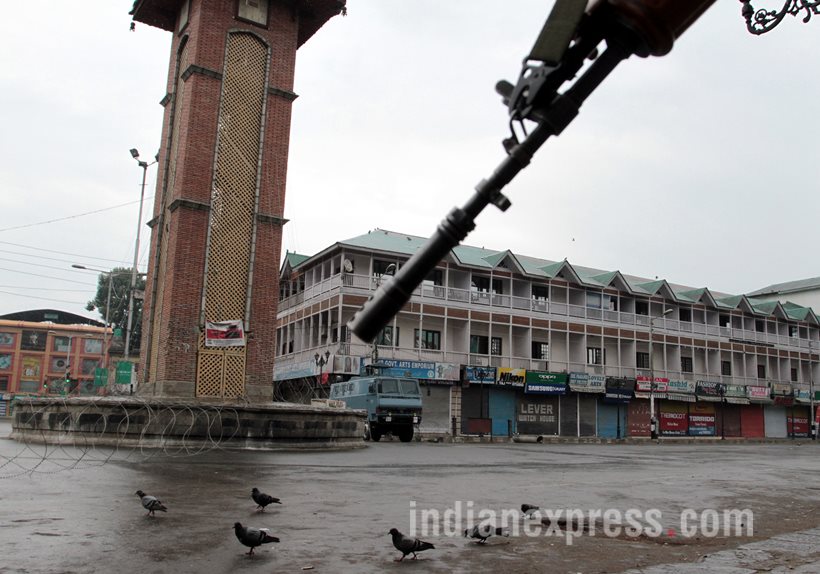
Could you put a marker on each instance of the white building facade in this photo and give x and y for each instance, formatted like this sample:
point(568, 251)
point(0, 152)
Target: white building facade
point(510, 344)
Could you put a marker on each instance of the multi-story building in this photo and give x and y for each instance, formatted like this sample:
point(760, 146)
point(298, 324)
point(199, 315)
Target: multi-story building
point(804, 292)
point(50, 352)
point(506, 343)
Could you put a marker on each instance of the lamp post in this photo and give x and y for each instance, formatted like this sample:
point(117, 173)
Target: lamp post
point(389, 270)
point(766, 20)
point(321, 361)
point(653, 424)
point(144, 165)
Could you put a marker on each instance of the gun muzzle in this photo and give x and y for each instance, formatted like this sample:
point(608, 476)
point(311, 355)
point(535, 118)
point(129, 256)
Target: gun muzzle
point(657, 23)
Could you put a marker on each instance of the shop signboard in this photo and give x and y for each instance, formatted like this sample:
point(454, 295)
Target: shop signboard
point(643, 385)
point(511, 377)
point(674, 420)
point(702, 419)
point(543, 383)
point(710, 391)
point(123, 373)
point(409, 369)
point(758, 394)
point(448, 371)
point(619, 390)
point(684, 387)
point(797, 422)
point(479, 375)
point(586, 383)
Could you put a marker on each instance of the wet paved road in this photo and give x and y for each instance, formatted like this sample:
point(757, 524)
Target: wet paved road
point(68, 510)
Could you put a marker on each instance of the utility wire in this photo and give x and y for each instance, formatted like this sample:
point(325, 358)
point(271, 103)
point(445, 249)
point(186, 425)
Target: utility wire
point(48, 277)
point(71, 216)
point(32, 255)
point(43, 288)
point(61, 252)
point(43, 298)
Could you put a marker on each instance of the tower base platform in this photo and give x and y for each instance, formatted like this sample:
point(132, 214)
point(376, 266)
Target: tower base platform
point(157, 423)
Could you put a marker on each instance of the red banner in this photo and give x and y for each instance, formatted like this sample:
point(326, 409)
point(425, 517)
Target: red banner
point(224, 334)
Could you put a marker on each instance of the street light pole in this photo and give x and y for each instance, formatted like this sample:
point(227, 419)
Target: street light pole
point(144, 165)
point(653, 424)
point(812, 416)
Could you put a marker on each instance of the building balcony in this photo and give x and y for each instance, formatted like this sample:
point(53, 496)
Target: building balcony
point(365, 285)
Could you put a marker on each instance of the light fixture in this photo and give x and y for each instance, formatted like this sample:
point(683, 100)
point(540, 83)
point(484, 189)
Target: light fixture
point(134, 153)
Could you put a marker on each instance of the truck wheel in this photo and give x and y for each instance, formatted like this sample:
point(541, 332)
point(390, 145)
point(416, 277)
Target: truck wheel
point(366, 431)
point(375, 435)
point(406, 434)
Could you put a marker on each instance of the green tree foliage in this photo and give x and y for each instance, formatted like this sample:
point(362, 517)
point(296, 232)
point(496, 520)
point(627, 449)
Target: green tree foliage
point(118, 313)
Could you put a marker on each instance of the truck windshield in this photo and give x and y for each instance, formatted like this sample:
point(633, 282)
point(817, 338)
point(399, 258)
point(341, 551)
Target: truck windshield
point(409, 387)
point(388, 386)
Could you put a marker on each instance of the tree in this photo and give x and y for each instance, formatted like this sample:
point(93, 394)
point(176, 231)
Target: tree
point(118, 313)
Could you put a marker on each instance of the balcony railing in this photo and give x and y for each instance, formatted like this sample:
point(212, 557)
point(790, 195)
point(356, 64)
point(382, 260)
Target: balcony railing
point(540, 308)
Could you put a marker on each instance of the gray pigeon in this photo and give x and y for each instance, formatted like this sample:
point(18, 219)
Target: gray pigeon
point(482, 532)
point(407, 545)
point(263, 499)
point(252, 537)
point(150, 503)
point(529, 509)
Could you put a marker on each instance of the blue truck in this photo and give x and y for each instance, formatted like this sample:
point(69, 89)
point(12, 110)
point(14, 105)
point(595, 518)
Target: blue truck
point(393, 404)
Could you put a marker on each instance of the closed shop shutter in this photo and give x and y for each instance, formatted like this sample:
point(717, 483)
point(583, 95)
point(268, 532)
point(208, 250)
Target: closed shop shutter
point(502, 411)
point(537, 415)
point(475, 410)
point(637, 418)
point(729, 420)
point(775, 421)
point(612, 420)
point(569, 415)
point(751, 421)
point(588, 414)
point(435, 410)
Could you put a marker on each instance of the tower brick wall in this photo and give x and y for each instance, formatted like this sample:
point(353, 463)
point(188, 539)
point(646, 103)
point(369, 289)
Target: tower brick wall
point(176, 283)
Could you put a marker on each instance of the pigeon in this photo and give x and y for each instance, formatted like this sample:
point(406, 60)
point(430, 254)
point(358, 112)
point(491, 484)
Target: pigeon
point(150, 503)
point(408, 545)
point(482, 532)
point(529, 509)
point(252, 537)
point(263, 499)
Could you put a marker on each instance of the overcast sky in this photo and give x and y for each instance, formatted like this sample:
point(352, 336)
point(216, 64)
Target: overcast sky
point(700, 167)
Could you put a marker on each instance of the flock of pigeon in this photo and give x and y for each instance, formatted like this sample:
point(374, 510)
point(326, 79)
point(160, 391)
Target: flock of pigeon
point(255, 537)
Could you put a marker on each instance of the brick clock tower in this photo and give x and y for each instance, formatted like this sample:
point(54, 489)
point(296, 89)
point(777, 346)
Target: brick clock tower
point(218, 213)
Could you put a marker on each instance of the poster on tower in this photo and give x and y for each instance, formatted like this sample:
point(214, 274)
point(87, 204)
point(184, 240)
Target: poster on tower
point(224, 334)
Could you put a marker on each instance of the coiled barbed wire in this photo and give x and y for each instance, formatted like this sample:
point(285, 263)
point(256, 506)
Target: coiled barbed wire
point(135, 434)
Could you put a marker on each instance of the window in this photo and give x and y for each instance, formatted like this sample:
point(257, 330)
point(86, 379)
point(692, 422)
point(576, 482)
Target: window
point(613, 303)
point(435, 277)
point(4, 383)
point(540, 350)
point(686, 364)
point(385, 338)
point(593, 300)
point(381, 268)
point(540, 292)
point(427, 339)
point(255, 11)
point(726, 368)
point(685, 315)
point(60, 344)
point(641, 307)
point(479, 344)
point(794, 331)
point(484, 285)
point(724, 320)
point(642, 360)
point(495, 346)
point(794, 375)
point(93, 346)
point(596, 356)
point(760, 325)
point(761, 371)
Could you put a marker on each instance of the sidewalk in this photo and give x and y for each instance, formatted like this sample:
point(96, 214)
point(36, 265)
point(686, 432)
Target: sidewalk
point(795, 553)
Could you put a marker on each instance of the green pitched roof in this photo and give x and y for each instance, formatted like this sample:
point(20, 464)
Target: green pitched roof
point(478, 257)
